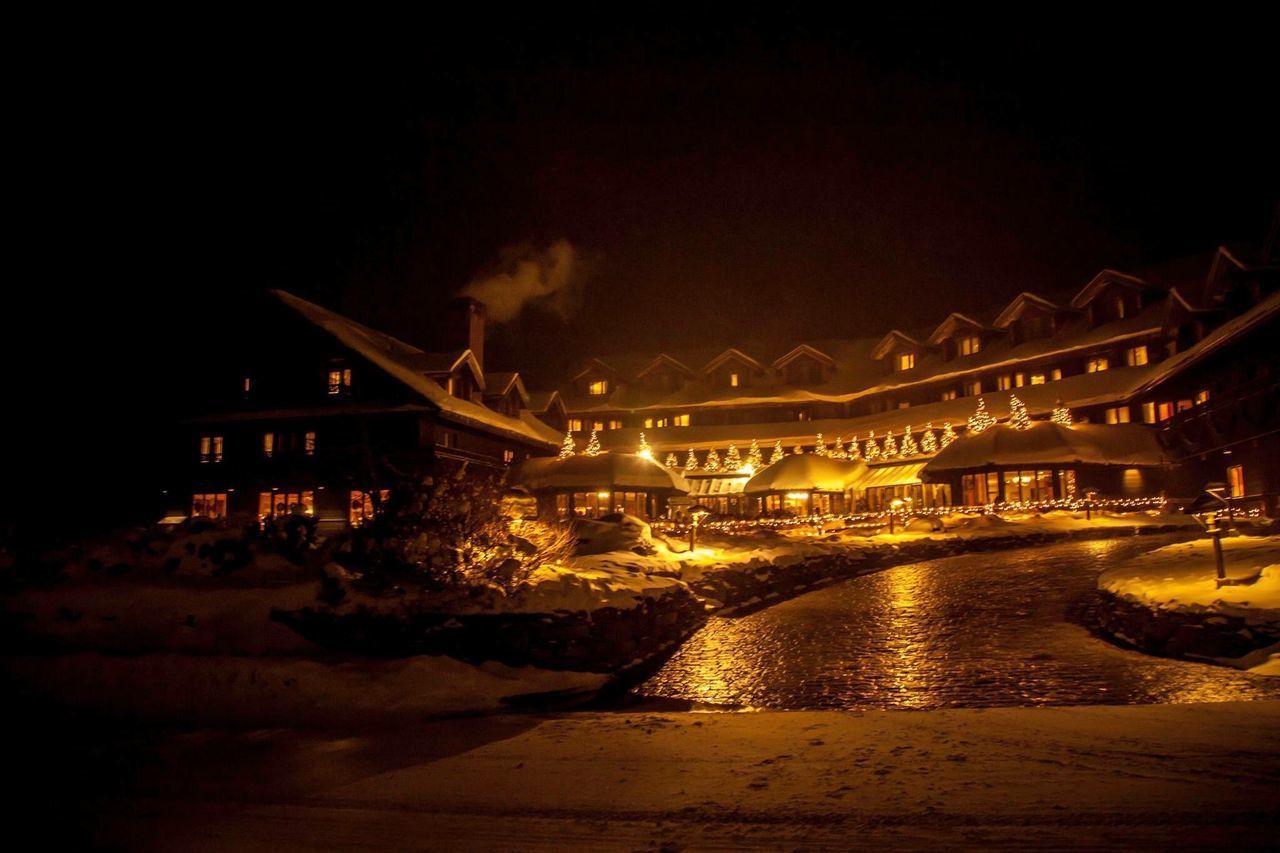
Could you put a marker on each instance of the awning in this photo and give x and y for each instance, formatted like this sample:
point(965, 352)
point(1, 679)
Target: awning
point(612, 471)
point(892, 475)
point(711, 486)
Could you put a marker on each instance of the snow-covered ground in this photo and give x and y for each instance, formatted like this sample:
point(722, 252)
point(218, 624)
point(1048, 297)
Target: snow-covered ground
point(1137, 777)
point(1182, 577)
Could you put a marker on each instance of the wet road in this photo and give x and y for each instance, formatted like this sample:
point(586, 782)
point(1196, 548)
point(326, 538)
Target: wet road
point(981, 630)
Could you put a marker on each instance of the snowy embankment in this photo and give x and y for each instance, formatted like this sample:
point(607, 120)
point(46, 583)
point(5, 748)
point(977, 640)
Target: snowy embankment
point(1168, 601)
point(739, 573)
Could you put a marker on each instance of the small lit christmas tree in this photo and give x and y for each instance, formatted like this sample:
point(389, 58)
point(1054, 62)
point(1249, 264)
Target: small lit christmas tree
point(732, 461)
point(691, 461)
point(871, 450)
point(644, 450)
point(837, 449)
point(755, 459)
point(855, 449)
point(1018, 417)
point(566, 446)
point(981, 419)
point(778, 452)
point(797, 450)
point(890, 446)
point(948, 434)
point(712, 464)
point(1061, 415)
point(672, 462)
point(909, 446)
point(929, 441)
point(819, 446)
point(593, 445)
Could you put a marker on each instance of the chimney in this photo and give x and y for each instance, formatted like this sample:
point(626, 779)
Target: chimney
point(464, 327)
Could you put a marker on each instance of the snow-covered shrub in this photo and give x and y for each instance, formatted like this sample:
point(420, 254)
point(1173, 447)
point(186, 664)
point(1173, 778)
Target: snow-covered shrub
point(444, 531)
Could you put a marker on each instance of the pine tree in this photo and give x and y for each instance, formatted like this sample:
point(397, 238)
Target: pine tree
point(691, 461)
point(712, 464)
point(871, 450)
point(819, 446)
point(890, 446)
point(593, 444)
point(672, 462)
point(566, 446)
point(1018, 417)
point(981, 419)
point(929, 442)
point(948, 434)
point(732, 461)
point(755, 459)
point(644, 450)
point(909, 446)
point(1061, 415)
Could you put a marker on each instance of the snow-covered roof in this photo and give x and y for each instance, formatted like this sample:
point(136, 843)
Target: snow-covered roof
point(1047, 443)
point(603, 471)
point(401, 361)
point(499, 384)
point(806, 472)
point(1102, 281)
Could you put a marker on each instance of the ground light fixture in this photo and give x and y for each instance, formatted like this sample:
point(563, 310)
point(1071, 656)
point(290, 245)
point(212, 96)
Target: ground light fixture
point(697, 512)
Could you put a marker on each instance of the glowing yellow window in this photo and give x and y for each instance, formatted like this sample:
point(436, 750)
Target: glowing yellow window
point(268, 444)
point(680, 420)
point(339, 381)
point(615, 424)
point(733, 380)
point(970, 345)
point(1003, 383)
point(575, 424)
point(598, 388)
point(1097, 365)
point(1037, 379)
point(1235, 480)
point(1135, 356)
point(906, 360)
point(309, 444)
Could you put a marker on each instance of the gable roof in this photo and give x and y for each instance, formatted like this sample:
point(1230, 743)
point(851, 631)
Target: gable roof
point(541, 401)
point(803, 350)
point(950, 324)
point(731, 352)
point(663, 358)
point(888, 343)
point(591, 365)
point(1101, 281)
point(441, 363)
point(500, 384)
point(401, 361)
point(1014, 309)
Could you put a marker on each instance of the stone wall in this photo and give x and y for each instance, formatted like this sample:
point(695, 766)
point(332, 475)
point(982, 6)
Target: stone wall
point(1183, 632)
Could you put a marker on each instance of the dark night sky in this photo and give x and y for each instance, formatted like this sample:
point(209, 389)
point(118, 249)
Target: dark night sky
point(722, 180)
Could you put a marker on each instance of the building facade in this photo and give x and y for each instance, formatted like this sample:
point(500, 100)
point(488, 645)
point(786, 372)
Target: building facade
point(1179, 351)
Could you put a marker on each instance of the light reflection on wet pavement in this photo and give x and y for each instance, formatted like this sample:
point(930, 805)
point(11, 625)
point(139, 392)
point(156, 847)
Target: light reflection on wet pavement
point(981, 630)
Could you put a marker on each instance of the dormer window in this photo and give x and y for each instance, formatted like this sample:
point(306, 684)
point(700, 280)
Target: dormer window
point(1097, 365)
point(1118, 307)
point(733, 380)
point(210, 448)
point(598, 388)
point(970, 345)
point(339, 382)
point(904, 361)
point(1135, 356)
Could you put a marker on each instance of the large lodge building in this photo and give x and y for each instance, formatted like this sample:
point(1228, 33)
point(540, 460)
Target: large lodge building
point(1190, 357)
point(1176, 376)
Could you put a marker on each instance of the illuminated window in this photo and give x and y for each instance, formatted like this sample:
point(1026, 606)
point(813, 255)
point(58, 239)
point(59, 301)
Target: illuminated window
point(598, 426)
point(1118, 415)
point(1028, 486)
point(802, 416)
point(268, 444)
point(970, 345)
point(598, 388)
point(662, 422)
point(904, 404)
point(1148, 413)
point(1118, 307)
point(309, 444)
point(450, 385)
point(209, 505)
point(339, 381)
point(1185, 406)
point(1004, 383)
point(648, 423)
point(615, 424)
point(210, 448)
point(246, 387)
point(1055, 374)
point(364, 507)
point(906, 360)
point(949, 394)
point(1097, 365)
point(575, 424)
point(680, 420)
point(1037, 379)
point(733, 380)
point(1164, 411)
point(508, 456)
point(281, 504)
point(1235, 480)
point(973, 389)
point(1135, 356)
point(980, 489)
point(1202, 397)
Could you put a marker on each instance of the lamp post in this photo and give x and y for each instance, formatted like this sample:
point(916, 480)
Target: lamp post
point(1217, 493)
point(1090, 495)
point(697, 512)
point(894, 505)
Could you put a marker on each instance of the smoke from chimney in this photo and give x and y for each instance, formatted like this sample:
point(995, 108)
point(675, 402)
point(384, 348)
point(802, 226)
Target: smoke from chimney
point(526, 275)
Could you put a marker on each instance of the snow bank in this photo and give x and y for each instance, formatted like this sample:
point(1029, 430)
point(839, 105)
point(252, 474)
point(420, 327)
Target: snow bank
point(297, 692)
point(1182, 577)
point(606, 584)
